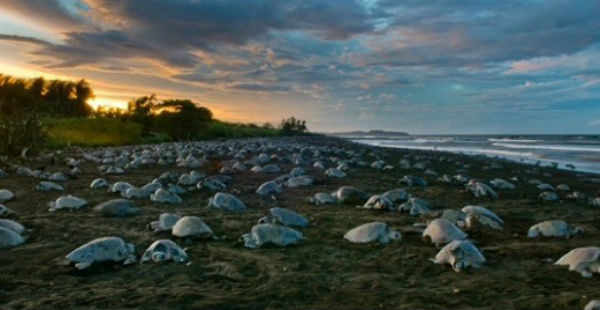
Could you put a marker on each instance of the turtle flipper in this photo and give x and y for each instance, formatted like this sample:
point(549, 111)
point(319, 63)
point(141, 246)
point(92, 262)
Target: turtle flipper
point(83, 265)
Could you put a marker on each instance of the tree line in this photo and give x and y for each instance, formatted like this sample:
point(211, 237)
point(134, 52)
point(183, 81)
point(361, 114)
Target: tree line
point(24, 103)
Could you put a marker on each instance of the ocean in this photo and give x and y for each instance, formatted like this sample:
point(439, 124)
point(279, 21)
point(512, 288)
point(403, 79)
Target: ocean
point(570, 152)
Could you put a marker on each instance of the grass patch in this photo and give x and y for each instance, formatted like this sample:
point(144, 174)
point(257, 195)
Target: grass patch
point(217, 129)
point(92, 132)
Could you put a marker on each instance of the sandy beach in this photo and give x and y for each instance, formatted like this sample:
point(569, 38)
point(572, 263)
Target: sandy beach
point(322, 272)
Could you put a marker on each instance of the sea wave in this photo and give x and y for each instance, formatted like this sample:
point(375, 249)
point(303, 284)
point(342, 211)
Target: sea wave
point(513, 140)
point(549, 147)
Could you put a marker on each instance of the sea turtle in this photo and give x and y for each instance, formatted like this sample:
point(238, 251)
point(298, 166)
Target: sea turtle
point(584, 260)
point(480, 189)
point(285, 217)
point(166, 221)
point(350, 194)
point(58, 177)
point(176, 189)
point(296, 172)
point(164, 196)
point(12, 225)
point(370, 232)
point(105, 249)
point(212, 184)
point(67, 202)
point(268, 233)
point(416, 206)
point(441, 231)
point(335, 173)
point(163, 251)
point(593, 305)
point(118, 208)
point(460, 254)
point(99, 183)
point(502, 184)
point(120, 187)
point(322, 199)
point(298, 181)
point(396, 195)
point(549, 196)
point(226, 202)
point(268, 188)
point(319, 165)
point(411, 181)
point(477, 215)
point(6, 195)
point(46, 186)
point(270, 168)
point(554, 228)
point(9, 238)
point(192, 227)
point(453, 216)
point(545, 187)
point(379, 202)
point(5, 211)
point(136, 193)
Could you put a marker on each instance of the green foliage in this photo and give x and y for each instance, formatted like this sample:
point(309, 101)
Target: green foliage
point(181, 119)
point(54, 98)
point(218, 129)
point(293, 126)
point(20, 127)
point(98, 131)
point(140, 111)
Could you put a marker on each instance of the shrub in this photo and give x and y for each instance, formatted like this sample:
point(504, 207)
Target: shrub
point(20, 128)
point(98, 131)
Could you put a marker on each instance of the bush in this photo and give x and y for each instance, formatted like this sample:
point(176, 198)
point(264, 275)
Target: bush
point(99, 131)
point(20, 127)
point(293, 126)
point(181, 119)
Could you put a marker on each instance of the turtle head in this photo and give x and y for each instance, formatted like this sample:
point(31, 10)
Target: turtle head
point(577, 231)
point(159, 256)
point(459, 265)
point(266, 219)
point(395, 235)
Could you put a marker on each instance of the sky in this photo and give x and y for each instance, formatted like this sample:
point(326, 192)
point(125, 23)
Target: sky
point(424, 67)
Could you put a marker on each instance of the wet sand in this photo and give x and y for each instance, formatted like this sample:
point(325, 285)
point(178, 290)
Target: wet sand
point(324, 271)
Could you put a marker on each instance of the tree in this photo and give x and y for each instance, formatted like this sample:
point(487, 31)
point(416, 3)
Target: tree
point(141, 111)
point(293, 126)
point(181, 119)
point(83, 93)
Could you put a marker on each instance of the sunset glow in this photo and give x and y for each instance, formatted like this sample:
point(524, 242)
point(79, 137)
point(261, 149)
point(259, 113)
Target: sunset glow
point(414, 66)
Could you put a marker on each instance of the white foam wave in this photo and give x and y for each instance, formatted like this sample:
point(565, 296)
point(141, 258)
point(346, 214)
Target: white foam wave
point(549, 147)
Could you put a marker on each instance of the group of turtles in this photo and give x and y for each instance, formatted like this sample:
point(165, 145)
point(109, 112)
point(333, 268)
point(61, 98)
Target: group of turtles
point(447, 229)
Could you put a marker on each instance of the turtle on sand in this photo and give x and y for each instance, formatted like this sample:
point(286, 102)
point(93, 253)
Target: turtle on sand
point(165, 196)
point(460, 254)
point(262, 234)
point(67, 202)
point(165, 222)
point(584, 260)
point(554, 228)
point(118, 208)
point(441, 231)
point(192, 227)
point(105, 249)
point(285, 217)
point(226, 202)
point(371, 232)
point(163, 251)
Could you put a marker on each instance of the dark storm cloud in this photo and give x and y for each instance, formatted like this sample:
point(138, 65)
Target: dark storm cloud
point(461, 33)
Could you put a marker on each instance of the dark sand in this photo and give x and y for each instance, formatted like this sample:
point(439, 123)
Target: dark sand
point(323, 272)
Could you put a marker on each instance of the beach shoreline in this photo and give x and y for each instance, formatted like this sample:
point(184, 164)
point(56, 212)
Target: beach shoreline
point(323, 271)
